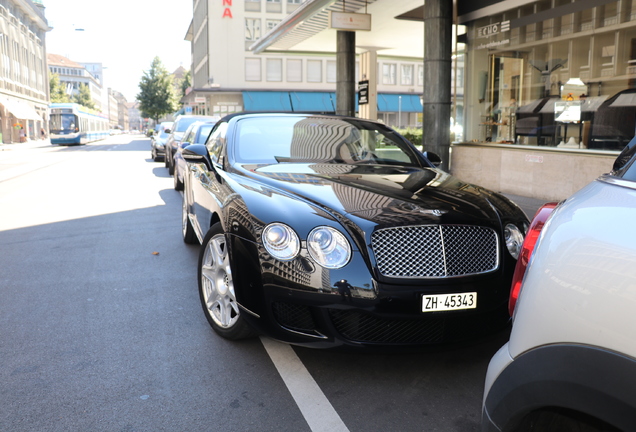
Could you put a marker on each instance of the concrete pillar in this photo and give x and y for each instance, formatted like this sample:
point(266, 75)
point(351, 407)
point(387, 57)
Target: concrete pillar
point(438, 17)
point(369, 72)
point(345, 73)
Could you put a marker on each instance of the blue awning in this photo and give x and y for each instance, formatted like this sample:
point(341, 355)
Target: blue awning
point(266, 101)
point(323, 102)
point(397, 103)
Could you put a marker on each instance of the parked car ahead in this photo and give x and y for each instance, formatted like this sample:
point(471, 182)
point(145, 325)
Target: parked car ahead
point(197, 133)
point(570, 364)
point(158, 141)
point(179, 127)
point(327, 231)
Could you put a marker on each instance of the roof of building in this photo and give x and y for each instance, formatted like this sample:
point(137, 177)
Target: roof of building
point(58, 60)
point(179, 72)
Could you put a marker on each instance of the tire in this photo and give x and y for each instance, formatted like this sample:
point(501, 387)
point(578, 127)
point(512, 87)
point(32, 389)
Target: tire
point(189, 236)
point(216, 288)
point(178, 184)
point(170, 163)
point(165, 159)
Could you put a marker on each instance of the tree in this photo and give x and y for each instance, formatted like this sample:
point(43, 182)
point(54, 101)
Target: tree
point(57, 90)
point(186, 82)
point(157, 96)
point(83, 97)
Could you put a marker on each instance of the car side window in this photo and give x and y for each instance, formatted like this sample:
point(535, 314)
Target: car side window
point(188, 137)
point(215, 142)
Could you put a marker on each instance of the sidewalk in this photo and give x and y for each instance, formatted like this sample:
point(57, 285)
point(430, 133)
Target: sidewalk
point(26, 145)
point(528, 205)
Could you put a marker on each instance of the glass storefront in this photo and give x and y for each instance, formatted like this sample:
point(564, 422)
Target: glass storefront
point(555, 73)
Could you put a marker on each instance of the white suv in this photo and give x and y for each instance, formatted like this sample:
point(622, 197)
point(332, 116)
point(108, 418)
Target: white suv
point(570, 364)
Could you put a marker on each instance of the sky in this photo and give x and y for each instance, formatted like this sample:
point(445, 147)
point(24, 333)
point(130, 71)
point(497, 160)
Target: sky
point(123, 35)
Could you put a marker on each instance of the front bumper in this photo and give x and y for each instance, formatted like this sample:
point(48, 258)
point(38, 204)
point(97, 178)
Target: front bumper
point(301, 304)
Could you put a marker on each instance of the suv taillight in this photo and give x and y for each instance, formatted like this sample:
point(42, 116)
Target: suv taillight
point(532, 236)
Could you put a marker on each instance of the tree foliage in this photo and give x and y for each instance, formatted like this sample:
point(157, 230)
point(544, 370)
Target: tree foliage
point(83, 97)
point(57, 90)
point(157, 95)
point(186, 82)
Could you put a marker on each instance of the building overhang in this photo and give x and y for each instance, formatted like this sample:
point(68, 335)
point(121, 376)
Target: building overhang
point(395, 28)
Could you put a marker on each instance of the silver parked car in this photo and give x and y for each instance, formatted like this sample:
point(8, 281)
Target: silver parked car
point(570, 364)
point(158, 141)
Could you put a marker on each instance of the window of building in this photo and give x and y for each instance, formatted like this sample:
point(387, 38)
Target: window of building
point(314, 70)
point(331, 71)
point(389, 71)
point(294, 70)
point(274, 69)
point(420, 75)
point(252, 29)
point(406, 75)
point(271, 24)
point(252, 69)
point(273, 6)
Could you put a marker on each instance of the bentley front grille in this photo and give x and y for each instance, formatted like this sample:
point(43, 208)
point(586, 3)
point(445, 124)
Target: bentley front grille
point(435, 251)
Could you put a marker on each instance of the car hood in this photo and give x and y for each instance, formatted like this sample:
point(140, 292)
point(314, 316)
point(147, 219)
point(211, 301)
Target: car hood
point(387, 195)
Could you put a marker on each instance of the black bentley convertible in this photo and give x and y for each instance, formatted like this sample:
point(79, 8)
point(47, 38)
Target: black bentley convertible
point(327, 231)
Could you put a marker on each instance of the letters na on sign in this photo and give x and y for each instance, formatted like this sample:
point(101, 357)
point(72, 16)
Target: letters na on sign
point(227, 11)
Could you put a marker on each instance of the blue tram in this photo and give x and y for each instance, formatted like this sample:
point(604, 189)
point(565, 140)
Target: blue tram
point(71, 123)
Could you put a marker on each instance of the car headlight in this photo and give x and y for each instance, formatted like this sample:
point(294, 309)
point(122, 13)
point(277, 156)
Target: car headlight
point(281, 241)
point(514, 239)
point(328, 247)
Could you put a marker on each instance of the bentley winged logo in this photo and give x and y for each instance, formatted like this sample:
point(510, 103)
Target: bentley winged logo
point(434, 212)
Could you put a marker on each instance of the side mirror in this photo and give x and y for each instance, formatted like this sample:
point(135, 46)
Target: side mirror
point(167, 131)
point(197, 153)
point(184, 144)
point(433, 158)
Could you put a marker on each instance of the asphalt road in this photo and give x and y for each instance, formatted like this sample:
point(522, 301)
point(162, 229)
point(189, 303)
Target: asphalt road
point(101, 328)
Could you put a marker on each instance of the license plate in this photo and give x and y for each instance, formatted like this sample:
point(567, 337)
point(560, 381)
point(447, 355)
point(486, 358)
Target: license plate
point(446, 302)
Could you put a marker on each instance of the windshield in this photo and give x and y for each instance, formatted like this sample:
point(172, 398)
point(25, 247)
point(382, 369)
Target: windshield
point(321, 140)
point(204, 132)
point(63, 122)
point(182, 124)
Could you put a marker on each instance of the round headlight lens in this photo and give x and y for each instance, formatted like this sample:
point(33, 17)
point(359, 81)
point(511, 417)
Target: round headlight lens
point(281, 241)
point(328, 247)
point(514, 239)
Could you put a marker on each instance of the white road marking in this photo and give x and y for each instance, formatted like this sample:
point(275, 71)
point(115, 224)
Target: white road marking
point(313, 404)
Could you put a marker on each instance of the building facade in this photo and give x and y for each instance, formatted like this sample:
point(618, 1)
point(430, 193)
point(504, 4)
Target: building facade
point(118, 111)
point(72, 75)
point(24, 85)
point(229, 77)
